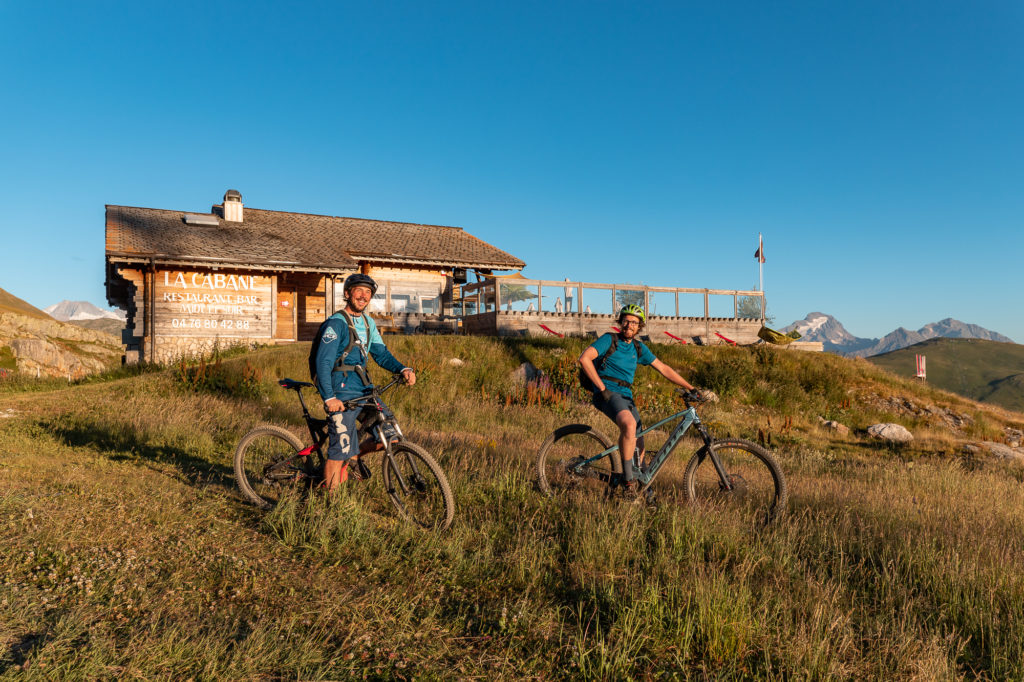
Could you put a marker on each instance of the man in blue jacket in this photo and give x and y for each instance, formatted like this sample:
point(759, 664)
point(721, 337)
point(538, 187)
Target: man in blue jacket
point(346, 340)
point(611, 379)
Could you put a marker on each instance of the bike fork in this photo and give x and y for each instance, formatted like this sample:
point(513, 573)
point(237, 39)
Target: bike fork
point(398, 474)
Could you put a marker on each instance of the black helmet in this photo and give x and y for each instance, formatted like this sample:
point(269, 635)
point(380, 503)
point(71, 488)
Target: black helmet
point(359, 280)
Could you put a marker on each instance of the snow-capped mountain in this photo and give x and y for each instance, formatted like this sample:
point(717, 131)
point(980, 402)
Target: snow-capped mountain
point(830, 332)
point(836, 339)
point(72, 311)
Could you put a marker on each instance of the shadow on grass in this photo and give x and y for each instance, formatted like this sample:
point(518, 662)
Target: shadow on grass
point(121, 446)
point(20, 650)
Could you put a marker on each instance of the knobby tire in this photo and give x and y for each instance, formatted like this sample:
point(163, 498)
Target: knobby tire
point(266, 464)
point(428, 501)
point(759, 489)
point(569, 444)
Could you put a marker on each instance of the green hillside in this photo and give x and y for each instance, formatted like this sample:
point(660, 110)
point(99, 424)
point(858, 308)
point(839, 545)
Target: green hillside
point(981, 370)
point(128, 553)
point(9, 303)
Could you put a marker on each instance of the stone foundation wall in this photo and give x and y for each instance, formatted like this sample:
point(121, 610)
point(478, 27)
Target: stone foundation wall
point(691, 329)
point(171, 350)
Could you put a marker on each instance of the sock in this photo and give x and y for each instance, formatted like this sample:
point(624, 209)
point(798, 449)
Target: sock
point(627, 469)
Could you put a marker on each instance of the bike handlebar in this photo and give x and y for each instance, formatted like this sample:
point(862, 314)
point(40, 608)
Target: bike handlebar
point(396, 378)
point(695, 396)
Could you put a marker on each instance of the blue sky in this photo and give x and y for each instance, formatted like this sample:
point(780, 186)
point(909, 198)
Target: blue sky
point(878, 146)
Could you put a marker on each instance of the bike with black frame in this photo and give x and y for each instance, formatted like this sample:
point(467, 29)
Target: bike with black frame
point(270, 461)
point(725, 473)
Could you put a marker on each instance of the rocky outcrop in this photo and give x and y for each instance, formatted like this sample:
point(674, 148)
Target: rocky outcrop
point(890, 433)
point(43, 347)
point(839, 429)
point(955, 421)
point(1001, 451)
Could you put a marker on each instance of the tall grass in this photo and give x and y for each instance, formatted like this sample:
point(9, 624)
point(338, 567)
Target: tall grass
point(129, 554)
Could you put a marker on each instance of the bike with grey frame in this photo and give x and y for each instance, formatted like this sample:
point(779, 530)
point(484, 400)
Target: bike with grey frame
point(270, 461)
point(723, 474)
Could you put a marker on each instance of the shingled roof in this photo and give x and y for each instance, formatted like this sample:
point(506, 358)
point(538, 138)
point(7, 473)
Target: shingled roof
point(275, 239)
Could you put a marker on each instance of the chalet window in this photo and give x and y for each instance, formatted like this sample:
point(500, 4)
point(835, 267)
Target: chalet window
point(379, 302)
point(416, 297)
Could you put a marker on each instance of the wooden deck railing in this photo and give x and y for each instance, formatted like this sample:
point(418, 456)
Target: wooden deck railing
point(487, 296)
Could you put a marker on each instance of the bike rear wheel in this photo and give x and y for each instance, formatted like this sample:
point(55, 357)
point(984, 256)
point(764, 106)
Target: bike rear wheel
point(267, 465)
point(756, 489)
point(557, 473)
point(418, 487)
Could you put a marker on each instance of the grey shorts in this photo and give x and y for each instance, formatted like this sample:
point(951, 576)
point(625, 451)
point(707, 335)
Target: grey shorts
point(617, 403)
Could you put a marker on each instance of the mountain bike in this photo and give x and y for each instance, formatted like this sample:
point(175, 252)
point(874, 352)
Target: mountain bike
point(270, 461)
point(728, 473)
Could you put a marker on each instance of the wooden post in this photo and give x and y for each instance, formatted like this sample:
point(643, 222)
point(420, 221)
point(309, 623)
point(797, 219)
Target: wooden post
point(295, 314)
point(707, 321)
point(497, 296)
point(613, 300)
point(677, 304)
point(647, 301)
point(273, 306)
point(151, 317)
point(735, 306)
point(540, 297)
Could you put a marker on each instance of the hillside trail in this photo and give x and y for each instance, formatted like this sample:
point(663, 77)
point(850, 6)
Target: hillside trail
point(50, 399)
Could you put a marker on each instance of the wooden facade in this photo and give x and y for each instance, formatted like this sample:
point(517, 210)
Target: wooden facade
point(190, 283)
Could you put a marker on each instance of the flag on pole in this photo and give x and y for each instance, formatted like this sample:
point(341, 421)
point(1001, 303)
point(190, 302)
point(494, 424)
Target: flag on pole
point(759, 254)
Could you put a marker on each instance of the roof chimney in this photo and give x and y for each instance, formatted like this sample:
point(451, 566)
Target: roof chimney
point(233, 206)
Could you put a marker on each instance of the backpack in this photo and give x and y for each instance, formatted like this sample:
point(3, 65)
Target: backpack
point(339, 364)
point(585, 381)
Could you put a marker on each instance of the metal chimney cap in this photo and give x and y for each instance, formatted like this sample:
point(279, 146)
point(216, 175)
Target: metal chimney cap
point(233, 195)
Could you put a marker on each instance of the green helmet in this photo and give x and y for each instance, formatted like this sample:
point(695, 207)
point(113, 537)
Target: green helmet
point(634, 310)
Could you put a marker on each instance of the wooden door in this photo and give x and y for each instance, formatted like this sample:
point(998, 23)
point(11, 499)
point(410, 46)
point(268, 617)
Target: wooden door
point(286, 320)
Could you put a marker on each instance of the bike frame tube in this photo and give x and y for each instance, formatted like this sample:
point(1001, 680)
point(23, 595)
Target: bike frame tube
point(689, 418)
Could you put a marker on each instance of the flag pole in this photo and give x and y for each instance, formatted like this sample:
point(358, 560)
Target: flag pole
point(760, 262)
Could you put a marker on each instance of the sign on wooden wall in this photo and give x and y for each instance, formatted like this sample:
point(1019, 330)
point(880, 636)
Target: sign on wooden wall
point(204, 304)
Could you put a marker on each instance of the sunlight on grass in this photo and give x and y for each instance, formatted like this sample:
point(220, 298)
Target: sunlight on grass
point(129, 553)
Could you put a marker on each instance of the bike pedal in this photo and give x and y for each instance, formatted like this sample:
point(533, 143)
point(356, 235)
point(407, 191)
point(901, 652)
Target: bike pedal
point(361, 471)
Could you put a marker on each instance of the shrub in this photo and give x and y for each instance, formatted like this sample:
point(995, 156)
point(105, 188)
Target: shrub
point(219, 378)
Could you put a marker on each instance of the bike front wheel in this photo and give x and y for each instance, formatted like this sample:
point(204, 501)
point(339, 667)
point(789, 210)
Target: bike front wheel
point(750, 484)
point(267, 464)
point(560, 462)
point(418, 487)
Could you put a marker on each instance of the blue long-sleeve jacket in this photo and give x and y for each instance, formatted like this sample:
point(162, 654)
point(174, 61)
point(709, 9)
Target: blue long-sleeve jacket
point(333, 340)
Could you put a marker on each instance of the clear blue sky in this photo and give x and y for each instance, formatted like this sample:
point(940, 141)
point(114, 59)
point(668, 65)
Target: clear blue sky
point(878, 146)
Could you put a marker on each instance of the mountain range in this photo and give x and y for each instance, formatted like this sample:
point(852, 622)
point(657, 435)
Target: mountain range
point(836, 339)
point(73, 311)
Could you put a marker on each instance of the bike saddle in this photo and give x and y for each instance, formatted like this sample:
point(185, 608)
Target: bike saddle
point(292, 384)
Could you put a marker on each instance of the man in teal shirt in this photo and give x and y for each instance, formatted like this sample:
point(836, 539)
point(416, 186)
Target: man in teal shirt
point(612, 381)
point(339, 373)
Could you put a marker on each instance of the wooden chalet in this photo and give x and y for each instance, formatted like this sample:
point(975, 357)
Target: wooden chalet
point(191, 281)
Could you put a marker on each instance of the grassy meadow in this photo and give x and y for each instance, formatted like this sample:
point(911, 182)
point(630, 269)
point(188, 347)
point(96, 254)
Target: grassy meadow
point(977, 368)
point(128, 553)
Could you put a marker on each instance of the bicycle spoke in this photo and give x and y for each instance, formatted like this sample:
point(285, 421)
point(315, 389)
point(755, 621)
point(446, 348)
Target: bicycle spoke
point(418, 488)
point(560, 463)
point(752, 487)
point(267, 464)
